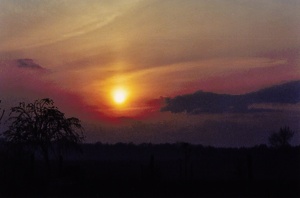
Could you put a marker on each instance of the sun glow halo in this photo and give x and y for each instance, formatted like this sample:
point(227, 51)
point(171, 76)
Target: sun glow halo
point(119, 95)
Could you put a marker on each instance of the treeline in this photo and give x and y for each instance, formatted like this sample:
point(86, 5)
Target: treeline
point(169, 150)
point(126, 169)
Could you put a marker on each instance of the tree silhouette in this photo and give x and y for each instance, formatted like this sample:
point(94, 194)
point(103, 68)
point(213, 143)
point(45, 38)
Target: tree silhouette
point(282, 138)
point(40, 125)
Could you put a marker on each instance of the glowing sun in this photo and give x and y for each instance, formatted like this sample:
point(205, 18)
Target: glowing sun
point(119, 95)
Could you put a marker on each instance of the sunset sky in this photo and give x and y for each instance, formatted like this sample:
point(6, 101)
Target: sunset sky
point(79, 52)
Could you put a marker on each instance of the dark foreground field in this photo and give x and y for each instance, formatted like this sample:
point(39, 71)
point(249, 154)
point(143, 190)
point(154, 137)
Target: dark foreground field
point(168, 170)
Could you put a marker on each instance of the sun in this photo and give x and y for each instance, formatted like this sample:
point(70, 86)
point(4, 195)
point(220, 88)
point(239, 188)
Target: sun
point(119, 95)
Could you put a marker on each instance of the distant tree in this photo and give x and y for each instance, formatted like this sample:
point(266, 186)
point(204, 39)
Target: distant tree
point(41, 125)
point(282, 138)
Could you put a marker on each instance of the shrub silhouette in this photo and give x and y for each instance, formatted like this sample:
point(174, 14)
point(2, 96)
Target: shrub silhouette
point(40, 125)
point(282, 138)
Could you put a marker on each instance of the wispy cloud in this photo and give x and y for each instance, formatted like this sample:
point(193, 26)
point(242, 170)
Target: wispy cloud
point(36, 23)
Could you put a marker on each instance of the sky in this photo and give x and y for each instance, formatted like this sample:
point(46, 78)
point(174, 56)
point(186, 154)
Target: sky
point(79, 52)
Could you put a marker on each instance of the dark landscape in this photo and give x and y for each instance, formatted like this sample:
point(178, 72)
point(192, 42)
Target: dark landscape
point(147, 170)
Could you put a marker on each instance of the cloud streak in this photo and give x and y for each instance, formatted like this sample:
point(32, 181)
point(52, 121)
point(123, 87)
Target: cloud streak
point(26, 24)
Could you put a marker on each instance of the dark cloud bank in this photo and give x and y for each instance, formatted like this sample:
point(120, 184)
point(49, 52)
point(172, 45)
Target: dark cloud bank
point(207, 102)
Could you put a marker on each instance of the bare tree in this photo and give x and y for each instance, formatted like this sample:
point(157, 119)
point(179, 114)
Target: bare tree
point(282, 138)
point(40, 124)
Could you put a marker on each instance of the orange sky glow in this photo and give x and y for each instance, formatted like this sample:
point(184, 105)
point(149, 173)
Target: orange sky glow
point(151, 48)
